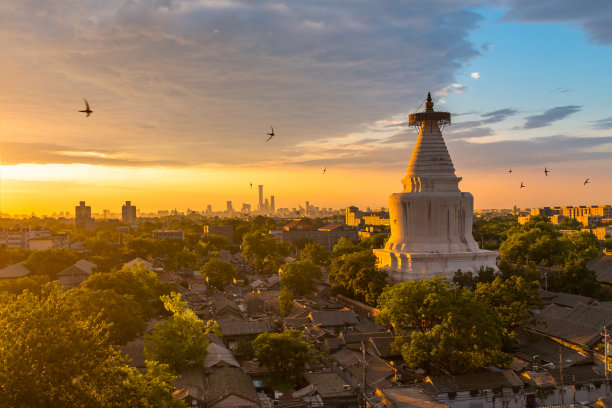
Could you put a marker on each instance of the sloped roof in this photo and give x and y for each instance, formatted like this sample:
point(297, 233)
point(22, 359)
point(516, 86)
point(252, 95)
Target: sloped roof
point(567, 299)
point(17, 270)
point(218, 354)
point(86, 265)
point(134, 350)
point(328, 385)
point(475, 381)
point(137, 260)
point(226, 381)
point(602, 265)
point(548, 351)
point(243, 327)
point(581, 325)
point(331, 227)
point(296, 321)
point(330, 318)
point(410, 397)
point(80, 268)
point(580, 374)
point(383, 346)
point(353, 337)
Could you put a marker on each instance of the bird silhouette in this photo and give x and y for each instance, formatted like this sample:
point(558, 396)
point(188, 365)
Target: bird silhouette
point(271, 134)
point(510, 171)
point(251, 184)
point(325, 169)
point(395, 221)
point(522, 185)
point(546, 171)
point(86, 110)
point(586, 181)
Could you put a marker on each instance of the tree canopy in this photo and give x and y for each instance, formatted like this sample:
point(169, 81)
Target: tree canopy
point(52, 358)
point(284, 354)
point(315, 253)
point(355, 274)
point(143, 285)
point(50, 262)
point(445, 327)
point(218, 273)
point(180, 340)
point(297, 276)
point(263, 253)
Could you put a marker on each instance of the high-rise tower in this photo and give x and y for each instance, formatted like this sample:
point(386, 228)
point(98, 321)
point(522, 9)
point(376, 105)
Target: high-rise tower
point(128, 213)
point(431, 219)
point(261, 203)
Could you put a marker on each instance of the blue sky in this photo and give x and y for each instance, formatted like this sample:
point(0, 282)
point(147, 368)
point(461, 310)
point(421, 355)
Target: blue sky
point(187, 89)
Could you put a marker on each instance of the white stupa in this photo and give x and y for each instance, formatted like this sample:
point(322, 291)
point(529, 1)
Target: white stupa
point(431, 219)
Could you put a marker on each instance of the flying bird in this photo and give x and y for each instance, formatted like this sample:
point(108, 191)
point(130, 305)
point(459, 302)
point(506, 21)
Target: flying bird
point(510, 171)
point(271, 134)
point(251, 184)
point(395, 221)
point(586, 181)
point(546, 171)
point(522, 185)
point(325, 169)
point(86, 110)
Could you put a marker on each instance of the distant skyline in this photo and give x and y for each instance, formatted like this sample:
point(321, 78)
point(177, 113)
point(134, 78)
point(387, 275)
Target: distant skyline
point(183, 93)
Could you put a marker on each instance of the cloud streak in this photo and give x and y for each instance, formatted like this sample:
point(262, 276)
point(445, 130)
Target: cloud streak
point(550, 116)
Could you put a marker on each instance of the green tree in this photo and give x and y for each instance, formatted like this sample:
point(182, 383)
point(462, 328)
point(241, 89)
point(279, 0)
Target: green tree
point(285, 302)
point(583, 246)
point(447, 328)
point(344, 246)
point(180, 340)
point(315, 253)
point(297, 276)
point(513, 299)
point(137, 281)
point(244, 350)
point(50, 262)
point(50, 358)
point(355, 274)
point(575, 278)
point(263, 253)
point(33, 284)
point(284, 354)
point(122, 313)
point(218, 273)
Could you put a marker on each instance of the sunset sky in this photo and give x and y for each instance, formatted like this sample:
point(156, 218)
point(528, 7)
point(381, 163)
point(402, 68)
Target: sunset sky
point(184, 91)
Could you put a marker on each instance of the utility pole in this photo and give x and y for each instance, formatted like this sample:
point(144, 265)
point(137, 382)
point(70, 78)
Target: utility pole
point(363, 362)
point(605, 333)
point(561, 375)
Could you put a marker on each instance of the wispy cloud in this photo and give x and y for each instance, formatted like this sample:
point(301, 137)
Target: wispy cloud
point(550, 116)
point(602, 124)
point(46, 153)
point(475, 75)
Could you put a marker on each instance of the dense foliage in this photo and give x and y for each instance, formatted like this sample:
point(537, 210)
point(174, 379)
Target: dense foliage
point(444, 327)
point(284, 354)
point(218, 273)
point(52, 356)
point(180, 340)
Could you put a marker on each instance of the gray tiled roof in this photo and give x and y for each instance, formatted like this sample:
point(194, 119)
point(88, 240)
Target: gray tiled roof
point(226, 381)
point(330, 318)
point(243, 327)
point(475, 381)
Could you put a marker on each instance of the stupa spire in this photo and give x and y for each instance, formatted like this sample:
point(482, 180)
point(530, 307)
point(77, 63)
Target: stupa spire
point(430, 167)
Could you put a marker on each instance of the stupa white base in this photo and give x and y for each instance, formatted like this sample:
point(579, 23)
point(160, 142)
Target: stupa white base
point(402, 266)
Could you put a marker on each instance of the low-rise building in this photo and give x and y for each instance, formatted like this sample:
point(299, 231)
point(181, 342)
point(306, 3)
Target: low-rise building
point(169, 234)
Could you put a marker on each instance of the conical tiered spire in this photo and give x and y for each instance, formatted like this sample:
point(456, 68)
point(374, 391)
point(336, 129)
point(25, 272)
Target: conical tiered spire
point(430, 167)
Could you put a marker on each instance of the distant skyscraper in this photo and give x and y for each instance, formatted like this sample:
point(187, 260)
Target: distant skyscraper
point(246, 208)
point(230, 208)
point(260, 206)
point(272, 206)
point(128, 213)
point(82, 217)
